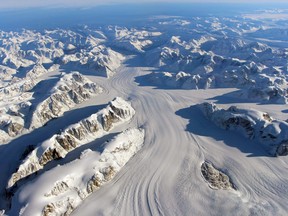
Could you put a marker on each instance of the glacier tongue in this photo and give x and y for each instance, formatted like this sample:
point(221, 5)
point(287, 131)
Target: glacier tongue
point(190, 60)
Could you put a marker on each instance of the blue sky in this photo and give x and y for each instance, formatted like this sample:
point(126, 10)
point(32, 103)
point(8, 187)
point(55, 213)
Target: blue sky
point(85, 3)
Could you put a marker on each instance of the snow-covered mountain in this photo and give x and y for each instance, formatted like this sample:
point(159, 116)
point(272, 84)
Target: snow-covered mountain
point(85, 131)
point(253, 124)
point(25, 50)
point(23, 110)
point(157, 115)
point(213, 62)
point(70, 90)
point(131, 39)
point(65, 191)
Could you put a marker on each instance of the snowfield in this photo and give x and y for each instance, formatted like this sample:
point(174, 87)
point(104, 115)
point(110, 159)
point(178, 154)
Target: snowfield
point(69, 189)
point(176, 116)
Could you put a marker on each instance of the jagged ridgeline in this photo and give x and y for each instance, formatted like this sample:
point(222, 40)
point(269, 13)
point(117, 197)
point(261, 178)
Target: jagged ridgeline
point(58, 146)
point(70, 90)
point(52, 77)
point(69, 191)
point(203, 61)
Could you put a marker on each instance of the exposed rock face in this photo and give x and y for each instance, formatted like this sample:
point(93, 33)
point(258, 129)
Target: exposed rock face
point(15, 118)
point(49, 210)
point(282, 149)
point(72, 89)
point(95, 126)
point(260, 126)
point(66, 141)
point(230, 119)
point(132, 39)
point(48, 155)
point(60, 187)
point(96, 181)
point(241, 122)
point(108, 120)
point(31, 166)
point(79, 132)
point(215, 178)
point(12, 120)
point(211, 62)
point(13, 129)
point(68, 193)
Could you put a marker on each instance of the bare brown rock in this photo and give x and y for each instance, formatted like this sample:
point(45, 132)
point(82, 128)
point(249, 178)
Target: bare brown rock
point(215, 178)
point(120, 112)
point(82, 92)
point(66, 141)
point(94, 183)
point(49, 210)
point(78, 132)
point(49, 155)
point(91, 126)
point(108, 173)
point(60, 187)
point(282, 149)
point(108, 120)
point(267, 117)
point(14, 128)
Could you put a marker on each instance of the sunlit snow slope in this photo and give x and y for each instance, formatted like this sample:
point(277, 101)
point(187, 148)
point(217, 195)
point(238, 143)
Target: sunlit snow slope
point(180, 116)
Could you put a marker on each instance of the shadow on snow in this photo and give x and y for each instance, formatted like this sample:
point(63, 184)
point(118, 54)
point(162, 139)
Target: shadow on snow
point(16, 147)
point(201, 126)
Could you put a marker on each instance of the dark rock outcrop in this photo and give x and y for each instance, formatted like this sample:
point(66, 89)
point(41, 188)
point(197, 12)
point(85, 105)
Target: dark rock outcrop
point(215, 178)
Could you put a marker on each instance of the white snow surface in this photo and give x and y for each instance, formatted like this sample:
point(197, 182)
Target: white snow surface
point(253, 124)
point(72, 187)
point(23, 110)
point(165, 176)
point(165, 71)
point(135, 40)
point(71, 89)
point(80, 134)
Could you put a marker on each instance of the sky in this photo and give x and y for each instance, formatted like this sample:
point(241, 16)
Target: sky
point(12, 4)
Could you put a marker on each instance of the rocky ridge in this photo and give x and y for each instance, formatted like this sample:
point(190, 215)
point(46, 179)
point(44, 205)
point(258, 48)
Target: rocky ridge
point(271, 133)
point(67, 194)
point(58, 146)
point(132, 39)
point(71, 89)
point(215, 178)
point(221, 62)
